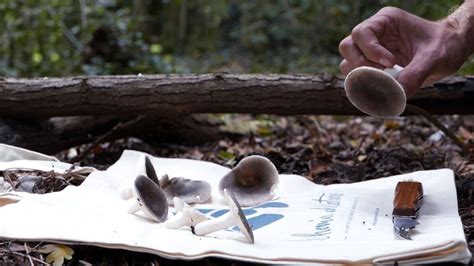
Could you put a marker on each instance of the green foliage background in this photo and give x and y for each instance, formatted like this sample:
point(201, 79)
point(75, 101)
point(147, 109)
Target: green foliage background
point(86, 37)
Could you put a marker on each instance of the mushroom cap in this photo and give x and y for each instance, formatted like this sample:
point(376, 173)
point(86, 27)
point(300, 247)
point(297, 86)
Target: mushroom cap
point(236, 210)
point(252, 181)
point(151, 198)
point(150, 170)
point(190, 191)
point(375, 92)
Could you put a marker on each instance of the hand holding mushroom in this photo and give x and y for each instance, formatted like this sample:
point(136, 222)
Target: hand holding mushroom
point(429, 50)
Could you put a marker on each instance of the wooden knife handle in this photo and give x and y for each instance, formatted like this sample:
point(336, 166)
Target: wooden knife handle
point(408, 197)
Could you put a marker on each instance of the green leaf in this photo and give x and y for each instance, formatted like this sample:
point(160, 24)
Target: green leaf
point(156, 48)
point(225, 155)
point(37, 58)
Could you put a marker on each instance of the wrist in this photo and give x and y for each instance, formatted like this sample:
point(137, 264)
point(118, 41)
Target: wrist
point(462, 22)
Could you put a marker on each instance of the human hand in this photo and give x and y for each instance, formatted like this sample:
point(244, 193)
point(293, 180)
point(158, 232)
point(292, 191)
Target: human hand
point(428, 50)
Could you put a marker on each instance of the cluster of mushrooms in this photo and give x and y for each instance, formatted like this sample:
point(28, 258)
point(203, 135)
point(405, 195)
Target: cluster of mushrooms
point(250, 183)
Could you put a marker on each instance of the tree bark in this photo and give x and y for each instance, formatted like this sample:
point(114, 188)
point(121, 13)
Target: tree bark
point(56, 134)
point(164, 95)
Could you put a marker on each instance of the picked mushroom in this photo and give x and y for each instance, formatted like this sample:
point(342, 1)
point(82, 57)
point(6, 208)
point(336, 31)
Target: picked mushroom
point(190, 191)
point(149, 198)
point(235, 217)
point(185, 216)
point(144, 167)
point(376, 92)
point(252, 181)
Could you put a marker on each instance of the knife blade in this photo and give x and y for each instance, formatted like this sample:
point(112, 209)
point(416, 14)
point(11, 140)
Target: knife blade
point(406, 206)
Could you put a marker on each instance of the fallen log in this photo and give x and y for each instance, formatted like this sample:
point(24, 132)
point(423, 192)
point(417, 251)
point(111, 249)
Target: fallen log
point(165, 95)
point(59, 133)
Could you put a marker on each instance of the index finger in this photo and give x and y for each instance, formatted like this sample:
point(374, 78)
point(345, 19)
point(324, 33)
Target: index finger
point(365, 37)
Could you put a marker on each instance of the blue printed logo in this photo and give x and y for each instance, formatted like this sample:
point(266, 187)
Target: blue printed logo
point(255, 220)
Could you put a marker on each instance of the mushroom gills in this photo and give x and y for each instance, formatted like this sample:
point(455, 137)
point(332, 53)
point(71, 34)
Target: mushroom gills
point(150, 198)
point(376, 92)
point(252, 181)
point(189, 191)
point(145, 167)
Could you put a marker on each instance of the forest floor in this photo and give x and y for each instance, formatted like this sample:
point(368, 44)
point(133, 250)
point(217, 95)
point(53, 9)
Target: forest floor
point(324, 149)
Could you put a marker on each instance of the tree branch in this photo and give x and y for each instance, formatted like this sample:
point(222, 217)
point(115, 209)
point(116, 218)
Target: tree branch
point(164, 95)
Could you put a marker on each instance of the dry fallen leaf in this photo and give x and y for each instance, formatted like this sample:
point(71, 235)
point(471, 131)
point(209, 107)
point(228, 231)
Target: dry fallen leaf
point(465, 134)
point(56, 253)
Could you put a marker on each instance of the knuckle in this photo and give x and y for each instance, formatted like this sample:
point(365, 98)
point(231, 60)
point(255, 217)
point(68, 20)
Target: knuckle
point(390, 10)
point(358, 32)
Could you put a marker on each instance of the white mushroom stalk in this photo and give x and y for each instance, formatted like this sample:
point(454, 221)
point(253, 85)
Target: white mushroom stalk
point(185, 216)
point(125, 193)
point(235, 217)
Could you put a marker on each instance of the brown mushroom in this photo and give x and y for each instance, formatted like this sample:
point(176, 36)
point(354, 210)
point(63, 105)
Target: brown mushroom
point(252, 181)
point(376, 92)
point(149, 198)
point(190, 191)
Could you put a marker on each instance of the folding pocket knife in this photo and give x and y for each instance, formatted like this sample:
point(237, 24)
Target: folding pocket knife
point(406, 205)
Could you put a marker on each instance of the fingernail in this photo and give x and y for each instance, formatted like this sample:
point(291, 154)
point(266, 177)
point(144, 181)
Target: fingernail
point(385, 62)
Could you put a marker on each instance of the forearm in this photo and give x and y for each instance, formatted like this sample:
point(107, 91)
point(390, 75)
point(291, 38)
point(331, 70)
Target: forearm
point(462, 20)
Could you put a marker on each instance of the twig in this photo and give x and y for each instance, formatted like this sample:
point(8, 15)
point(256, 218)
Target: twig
point(434, 121)
point(32, 258)
point(101, 138)
point(28, 254)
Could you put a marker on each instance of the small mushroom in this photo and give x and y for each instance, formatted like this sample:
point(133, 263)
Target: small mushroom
point(235, 217)
point(190, 191)
point(185, 216)
point(376, 92)
point(149, 198)
point(252, 181)
point(144, 167)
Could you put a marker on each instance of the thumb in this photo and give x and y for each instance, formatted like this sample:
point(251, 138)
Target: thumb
point(415, 73)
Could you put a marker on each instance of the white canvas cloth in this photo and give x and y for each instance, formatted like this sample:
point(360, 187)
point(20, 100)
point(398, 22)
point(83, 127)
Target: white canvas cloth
point(307, 223)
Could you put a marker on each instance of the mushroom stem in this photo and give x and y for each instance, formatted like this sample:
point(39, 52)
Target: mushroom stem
point(185, 216)
point(177, 221)
point(125, 193)
point(133, 207)
point(216, 224)
point(394, 71)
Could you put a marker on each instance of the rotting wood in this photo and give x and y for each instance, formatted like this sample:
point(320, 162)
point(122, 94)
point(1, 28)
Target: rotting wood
point(164, 95)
